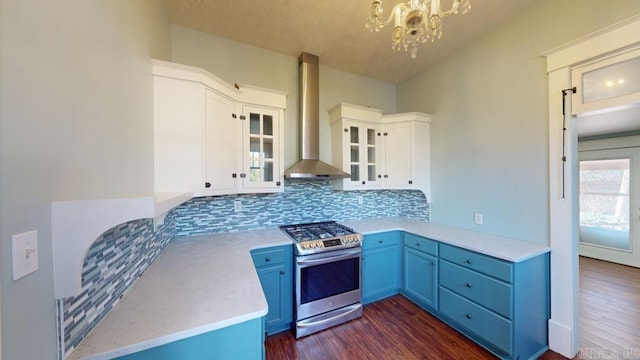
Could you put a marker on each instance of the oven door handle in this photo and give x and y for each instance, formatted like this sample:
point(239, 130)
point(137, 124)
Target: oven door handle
point(329, 259)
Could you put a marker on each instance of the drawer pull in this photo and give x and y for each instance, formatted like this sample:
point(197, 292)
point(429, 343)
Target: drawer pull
point(467, 285)
point(468, 261)
point(267, 259)
point(281, 272)
point(379, 241)
point(417, 244)
point(468, 316)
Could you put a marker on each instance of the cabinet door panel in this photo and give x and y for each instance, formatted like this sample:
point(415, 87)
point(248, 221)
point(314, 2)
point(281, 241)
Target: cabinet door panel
point(272, 281)
point(222, 134)
point(398, 156)
point(420, 277)
point(261, 168)
point(380, 273)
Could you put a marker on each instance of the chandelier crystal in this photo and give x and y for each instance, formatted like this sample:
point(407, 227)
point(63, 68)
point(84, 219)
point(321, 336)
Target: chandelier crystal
point(415, 21)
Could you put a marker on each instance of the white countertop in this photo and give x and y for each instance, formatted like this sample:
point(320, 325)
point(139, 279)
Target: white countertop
point(493, 245)
point(207, 282)
point(198, 284)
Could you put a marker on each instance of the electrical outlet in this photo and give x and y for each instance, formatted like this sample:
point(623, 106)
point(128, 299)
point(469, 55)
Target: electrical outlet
point(237, 206)
point(478, 218)
point(24, 259)
point(360, 200)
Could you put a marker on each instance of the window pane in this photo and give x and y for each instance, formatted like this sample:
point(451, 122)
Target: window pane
point(355, 154)
point(267, 123)
point(254, 124)
point(254, 148)
point(371, 173)
point(354, 135)
point(355, 172)
point(610, 81)
point(371, 136)
point(371, 155)
point(604, 202)
point(268, 148)
point(268, 171)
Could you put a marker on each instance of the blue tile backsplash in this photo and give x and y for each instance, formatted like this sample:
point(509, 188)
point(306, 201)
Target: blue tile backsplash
point(301, 202)
point(120, 255)
point(115, 260)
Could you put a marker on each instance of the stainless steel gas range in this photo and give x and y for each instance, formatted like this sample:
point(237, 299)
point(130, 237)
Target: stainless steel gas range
point(328, 275)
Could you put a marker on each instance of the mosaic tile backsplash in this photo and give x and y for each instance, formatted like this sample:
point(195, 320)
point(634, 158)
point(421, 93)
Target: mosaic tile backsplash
point(120, 255)
point(301, 202)
point(115, 260)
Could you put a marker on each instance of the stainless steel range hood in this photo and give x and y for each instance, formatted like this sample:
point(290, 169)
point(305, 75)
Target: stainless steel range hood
point(310, 166)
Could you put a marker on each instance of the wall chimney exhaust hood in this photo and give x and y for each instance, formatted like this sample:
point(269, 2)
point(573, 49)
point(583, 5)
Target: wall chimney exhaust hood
point(310, 166)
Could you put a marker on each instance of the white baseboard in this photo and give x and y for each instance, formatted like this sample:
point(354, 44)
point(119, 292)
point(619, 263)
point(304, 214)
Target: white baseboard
point(561, 339)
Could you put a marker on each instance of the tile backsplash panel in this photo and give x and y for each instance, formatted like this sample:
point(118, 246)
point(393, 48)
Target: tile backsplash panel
point(301, 202)
point(120, 255)
point(115, 260)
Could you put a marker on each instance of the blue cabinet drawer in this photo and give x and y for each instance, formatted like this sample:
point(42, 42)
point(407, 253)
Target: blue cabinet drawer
point(485, 264)
point(482, 322)
point(486, 291)
point(264, 257)
point(421, 244)
point(379, 240)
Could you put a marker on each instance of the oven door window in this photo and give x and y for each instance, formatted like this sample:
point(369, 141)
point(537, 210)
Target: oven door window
point(322, 281)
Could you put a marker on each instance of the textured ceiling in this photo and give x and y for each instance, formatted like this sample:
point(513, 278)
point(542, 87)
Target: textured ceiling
point(334, 30)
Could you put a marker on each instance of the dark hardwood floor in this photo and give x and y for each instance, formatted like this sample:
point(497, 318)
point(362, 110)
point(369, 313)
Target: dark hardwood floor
point(393, 328)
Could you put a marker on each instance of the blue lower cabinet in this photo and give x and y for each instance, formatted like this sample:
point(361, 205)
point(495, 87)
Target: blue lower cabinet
point(420, 278)
point(241, 341)
point(274, 266)
point(381, 270)
point(503, 306)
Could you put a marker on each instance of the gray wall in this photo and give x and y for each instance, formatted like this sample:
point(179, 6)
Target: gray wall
point(240, 63)
point(76, 123)
point(489, 135)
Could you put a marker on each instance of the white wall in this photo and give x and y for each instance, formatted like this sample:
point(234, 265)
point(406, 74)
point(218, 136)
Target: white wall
point(489, 133)
point(240, 63)
point(76, 123)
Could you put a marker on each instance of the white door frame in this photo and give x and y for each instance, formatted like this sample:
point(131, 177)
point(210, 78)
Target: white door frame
point(563, 211)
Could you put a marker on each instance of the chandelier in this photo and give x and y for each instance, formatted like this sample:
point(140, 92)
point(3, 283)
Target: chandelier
point(415, 21)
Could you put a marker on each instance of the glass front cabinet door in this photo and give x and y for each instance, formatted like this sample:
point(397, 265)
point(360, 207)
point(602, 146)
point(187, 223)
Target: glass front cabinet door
point(261, 168)
point(362, 142)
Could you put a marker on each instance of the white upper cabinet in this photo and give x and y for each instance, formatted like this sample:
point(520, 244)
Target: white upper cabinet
point(356, 146)
point(407, 150)
point(612, 83)
point(381, 152)
point(212, 138)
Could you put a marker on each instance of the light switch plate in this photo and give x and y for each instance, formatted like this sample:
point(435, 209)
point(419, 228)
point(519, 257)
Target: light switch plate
point(24, 258)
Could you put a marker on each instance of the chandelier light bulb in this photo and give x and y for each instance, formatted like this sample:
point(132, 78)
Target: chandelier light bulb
point(415, 21)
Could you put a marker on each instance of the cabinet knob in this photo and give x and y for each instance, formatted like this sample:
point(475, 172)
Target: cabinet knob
point(379, 176)
point(363, 183)
point(281, 272)
point(410, 182)
point(234, 116)
point(468, 261)
point(277, 183)
point(379, 241)
point(467, 285)
point(385, 134)
point(346, 130)
point(267, 259)
point(417, 244)
point(242, 117)
point(386, 176)
point(468, 316)
point(243, 175)
point(207, 185)
point(234, 175)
